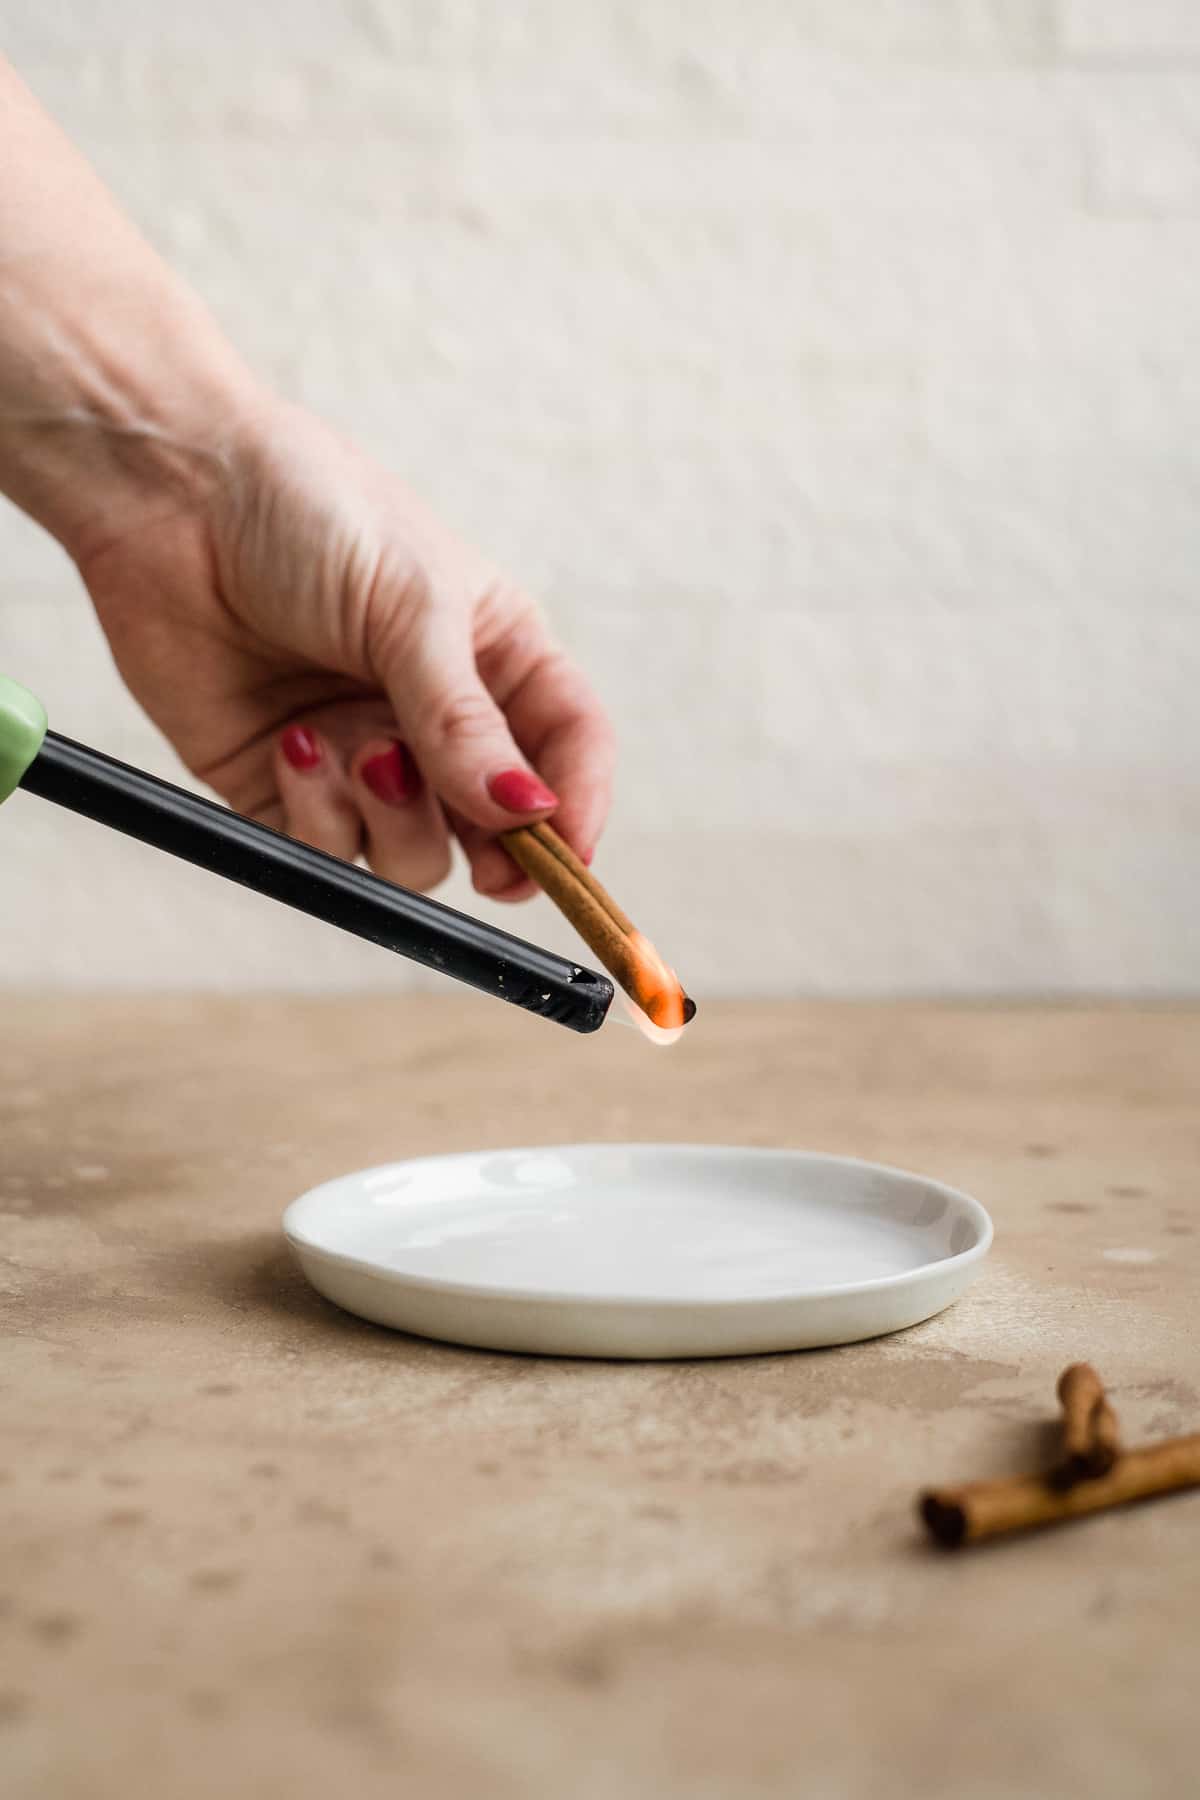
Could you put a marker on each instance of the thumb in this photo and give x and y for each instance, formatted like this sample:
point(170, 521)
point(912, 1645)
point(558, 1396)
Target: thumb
point(457, 733)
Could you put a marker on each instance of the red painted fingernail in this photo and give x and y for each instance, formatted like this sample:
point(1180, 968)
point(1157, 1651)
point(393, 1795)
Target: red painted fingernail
point(301, 747)
point(586, 858)
point(393, 776)
point(517, 791)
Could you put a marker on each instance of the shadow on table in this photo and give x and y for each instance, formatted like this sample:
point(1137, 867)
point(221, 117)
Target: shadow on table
point(256, 1274)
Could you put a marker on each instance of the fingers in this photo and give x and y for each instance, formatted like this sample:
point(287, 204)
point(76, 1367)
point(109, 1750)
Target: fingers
point(457, 732)
point(579, 752)
point(407, 839)
point(485, 721)
point(554, 713)
point(349, 790)
point(491, 707)
point(317, 805)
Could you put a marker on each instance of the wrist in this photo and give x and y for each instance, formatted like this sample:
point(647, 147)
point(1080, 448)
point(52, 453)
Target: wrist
point(130, 408)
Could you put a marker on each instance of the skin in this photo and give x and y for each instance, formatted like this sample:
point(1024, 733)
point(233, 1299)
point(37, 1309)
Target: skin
point(252, 571)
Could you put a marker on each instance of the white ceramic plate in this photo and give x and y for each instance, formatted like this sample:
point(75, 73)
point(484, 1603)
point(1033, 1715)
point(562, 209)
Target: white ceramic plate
point(639, 1250)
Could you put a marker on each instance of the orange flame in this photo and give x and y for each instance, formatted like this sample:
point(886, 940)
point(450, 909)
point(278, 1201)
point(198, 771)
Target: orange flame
point(664, 1014)
point(653, 1034)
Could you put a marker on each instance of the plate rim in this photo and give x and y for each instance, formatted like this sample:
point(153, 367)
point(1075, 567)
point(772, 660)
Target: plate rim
point(942, 1266)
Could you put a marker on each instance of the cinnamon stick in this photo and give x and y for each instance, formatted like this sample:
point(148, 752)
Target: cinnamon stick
point(1091, 1439)
point(600, 922)
point(984, 1509)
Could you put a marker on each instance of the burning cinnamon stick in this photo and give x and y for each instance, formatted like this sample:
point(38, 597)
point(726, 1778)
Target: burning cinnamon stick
point(984, 1509)
point(1091, 1440)
point(629, 957)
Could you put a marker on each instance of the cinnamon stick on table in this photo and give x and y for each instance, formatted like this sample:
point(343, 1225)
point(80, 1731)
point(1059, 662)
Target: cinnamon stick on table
point(1091, 1440)
point(629, 957)
point(984, 1509)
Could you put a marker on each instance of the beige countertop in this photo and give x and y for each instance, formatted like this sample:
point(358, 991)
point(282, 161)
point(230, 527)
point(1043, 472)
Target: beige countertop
point(252, 1546)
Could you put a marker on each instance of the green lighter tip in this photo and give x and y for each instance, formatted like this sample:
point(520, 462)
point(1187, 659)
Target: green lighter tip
point(22, 728)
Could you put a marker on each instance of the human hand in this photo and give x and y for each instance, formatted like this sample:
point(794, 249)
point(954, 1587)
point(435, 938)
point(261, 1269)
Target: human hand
point(314, 644)
point(329, 658)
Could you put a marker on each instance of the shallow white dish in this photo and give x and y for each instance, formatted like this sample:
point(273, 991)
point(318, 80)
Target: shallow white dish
point(639, 1250)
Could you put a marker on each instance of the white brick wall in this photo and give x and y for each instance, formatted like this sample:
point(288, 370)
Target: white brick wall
point(831, 367)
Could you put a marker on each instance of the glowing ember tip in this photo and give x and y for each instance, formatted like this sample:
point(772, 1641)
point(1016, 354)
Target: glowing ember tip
point(661, 1009)
point(653, 1034)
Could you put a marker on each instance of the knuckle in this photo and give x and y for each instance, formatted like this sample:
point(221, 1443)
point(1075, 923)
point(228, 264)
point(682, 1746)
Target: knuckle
point(504, 608)
point(463, 718)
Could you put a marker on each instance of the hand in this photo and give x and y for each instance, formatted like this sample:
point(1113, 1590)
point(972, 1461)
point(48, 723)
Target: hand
point(330, 659)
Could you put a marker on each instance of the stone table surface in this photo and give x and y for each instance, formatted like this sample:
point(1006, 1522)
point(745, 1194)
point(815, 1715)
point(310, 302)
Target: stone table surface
point(252, 1546)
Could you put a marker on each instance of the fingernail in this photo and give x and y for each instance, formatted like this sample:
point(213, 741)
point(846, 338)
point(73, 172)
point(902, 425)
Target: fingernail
point(393, 776)
point(301, 747)
point(586, 858)
point(517, 791)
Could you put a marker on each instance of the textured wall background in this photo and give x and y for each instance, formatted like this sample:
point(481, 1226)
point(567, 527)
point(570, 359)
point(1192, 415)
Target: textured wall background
point(830, 367)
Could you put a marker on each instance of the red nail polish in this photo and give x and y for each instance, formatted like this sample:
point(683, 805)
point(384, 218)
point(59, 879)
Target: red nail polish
point(586, 858)
point(393, 776)
point(519, 792)
point(301, 747)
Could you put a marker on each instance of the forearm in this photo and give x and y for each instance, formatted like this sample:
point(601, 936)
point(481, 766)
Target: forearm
point(118, 393)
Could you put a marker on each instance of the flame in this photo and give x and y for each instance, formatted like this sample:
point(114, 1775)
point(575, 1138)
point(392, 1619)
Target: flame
point(663, 1017)
point(654, 1034)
